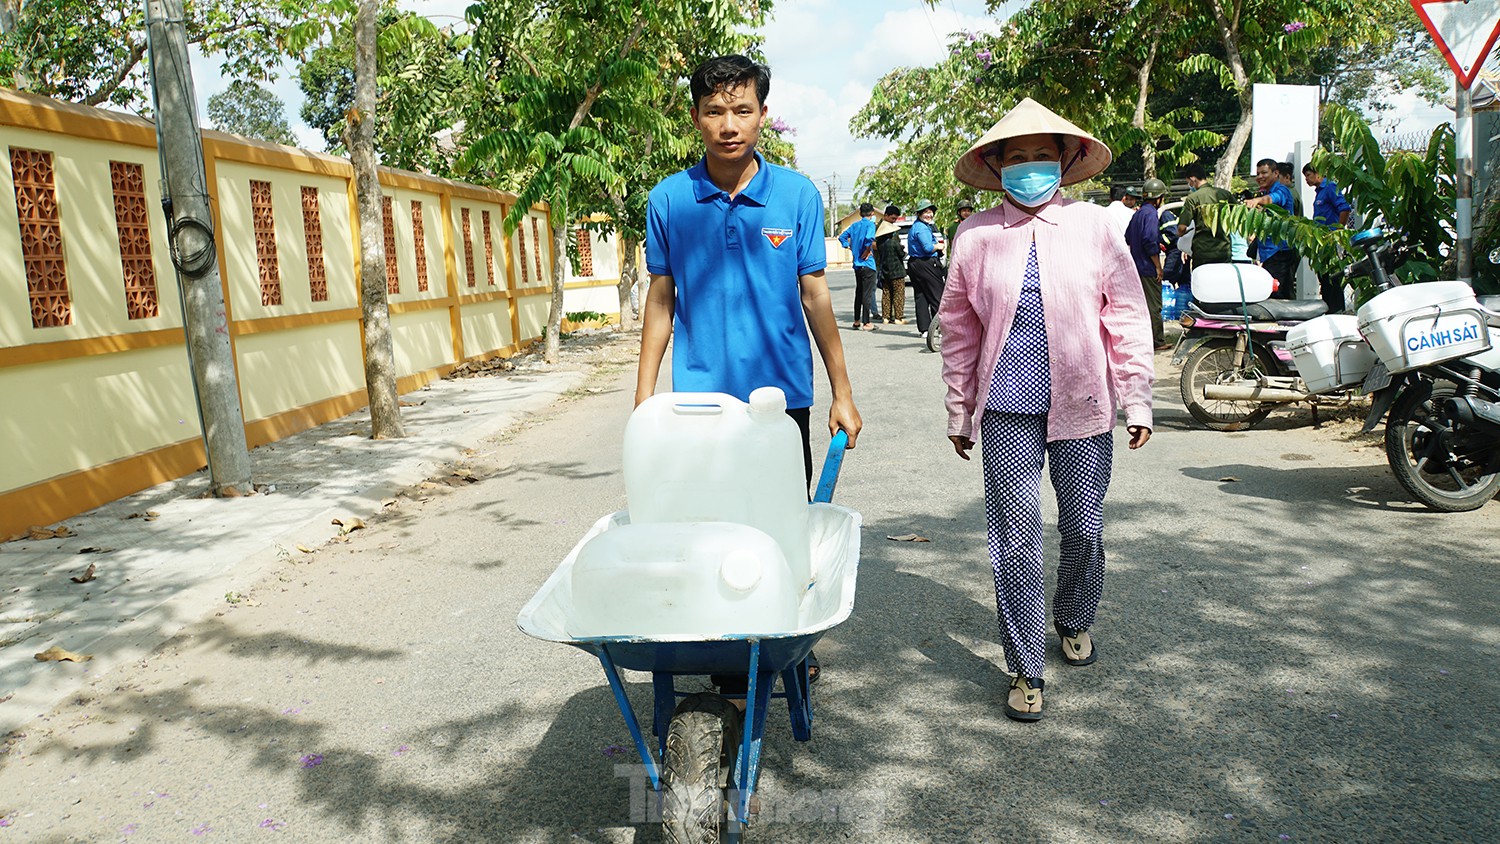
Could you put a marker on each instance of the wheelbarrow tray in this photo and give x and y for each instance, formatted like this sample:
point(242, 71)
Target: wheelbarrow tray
point(828, 601)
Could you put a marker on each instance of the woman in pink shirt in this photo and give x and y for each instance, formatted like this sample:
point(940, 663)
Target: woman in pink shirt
point(1045, 338)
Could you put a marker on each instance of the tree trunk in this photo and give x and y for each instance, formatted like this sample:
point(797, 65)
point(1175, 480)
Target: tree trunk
point(380, 359)
point(626, 248)
point(559, 273)
point(1148, 146)
point(1229, 35)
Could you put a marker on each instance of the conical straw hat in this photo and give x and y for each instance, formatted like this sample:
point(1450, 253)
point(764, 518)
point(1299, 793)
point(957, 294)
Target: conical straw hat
point(886, 228)
point(1083, 155)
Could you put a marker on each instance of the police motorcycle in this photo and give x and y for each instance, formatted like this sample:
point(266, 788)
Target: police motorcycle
point(1243, 353)
point(1437, 381)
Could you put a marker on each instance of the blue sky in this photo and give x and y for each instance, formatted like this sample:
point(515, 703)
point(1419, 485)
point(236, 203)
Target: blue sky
point(825, 56)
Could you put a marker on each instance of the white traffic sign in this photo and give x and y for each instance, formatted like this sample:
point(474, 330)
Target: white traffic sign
point(1464, 30)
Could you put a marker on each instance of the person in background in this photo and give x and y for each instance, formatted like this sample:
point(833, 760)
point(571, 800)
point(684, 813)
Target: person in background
point(890, 261)
point(1044, 341)
point(859, 239)
point(925, 266)
point(1287, 173)
point(965, 210)
point(1122, 208)
point(1210, 245)
point(1276, 256)
point(1143, 237)
point(1332, 210)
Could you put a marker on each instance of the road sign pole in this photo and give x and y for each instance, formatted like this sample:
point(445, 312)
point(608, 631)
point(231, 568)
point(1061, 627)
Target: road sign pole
point(1464, 176)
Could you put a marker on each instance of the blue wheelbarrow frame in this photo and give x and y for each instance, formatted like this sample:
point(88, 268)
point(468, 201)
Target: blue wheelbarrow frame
point(761, 657)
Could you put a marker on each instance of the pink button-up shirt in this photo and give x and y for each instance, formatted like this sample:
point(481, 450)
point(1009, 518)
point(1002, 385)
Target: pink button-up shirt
point(1098, 328)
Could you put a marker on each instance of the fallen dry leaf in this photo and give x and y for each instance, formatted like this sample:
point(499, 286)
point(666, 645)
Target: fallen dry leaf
point(405, 403)
point(39, 532)
point(304, 549)
point(909, 537)
point(149, 516)
point(92, 550)
point(56, 654)
point(349, 525)
point(1229, 479)
point(88, 574)
point(387, 502)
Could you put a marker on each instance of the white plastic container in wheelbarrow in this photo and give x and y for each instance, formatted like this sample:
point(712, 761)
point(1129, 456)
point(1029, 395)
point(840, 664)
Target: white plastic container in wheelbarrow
point(720, 566)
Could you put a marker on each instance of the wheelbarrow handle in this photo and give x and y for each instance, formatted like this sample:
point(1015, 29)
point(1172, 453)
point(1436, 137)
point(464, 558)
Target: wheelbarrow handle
point(831, 465)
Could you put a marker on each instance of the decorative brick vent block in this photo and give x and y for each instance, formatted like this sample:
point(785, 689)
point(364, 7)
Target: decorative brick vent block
point(264, 220)
point(536, 238)
point(585, 255)
point(468, 247)
point(489, 249)
point(525, 273)
point(133, 225)
point(41, 238)
point(312, 232)
point(420, 237)
point(392, 273)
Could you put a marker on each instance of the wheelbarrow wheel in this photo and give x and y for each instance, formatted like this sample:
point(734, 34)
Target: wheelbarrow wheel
point(702, 743)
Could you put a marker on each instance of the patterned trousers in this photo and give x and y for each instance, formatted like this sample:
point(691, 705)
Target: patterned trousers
point(1013, 447)
point(893, 299)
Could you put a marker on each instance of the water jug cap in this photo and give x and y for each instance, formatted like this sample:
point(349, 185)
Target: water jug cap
point(768, 400)
point(741, 570)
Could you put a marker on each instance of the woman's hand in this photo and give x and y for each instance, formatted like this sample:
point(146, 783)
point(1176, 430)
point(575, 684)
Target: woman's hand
point(1139, 435)
point(961, 445)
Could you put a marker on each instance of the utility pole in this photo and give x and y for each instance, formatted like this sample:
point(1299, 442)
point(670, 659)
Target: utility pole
point(191, 238)
point(1464, 173)
point(832, 220)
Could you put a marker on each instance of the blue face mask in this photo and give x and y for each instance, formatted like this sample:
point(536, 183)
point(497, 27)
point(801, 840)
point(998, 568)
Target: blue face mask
point(1032, 184)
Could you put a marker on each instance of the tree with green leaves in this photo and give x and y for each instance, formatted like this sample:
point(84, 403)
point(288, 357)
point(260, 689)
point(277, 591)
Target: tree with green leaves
point(94, 55)
point(245, 108)
point(422, 87)
point(566, 93)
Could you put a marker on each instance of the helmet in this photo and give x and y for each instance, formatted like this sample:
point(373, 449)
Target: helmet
point(964, 203)
point(1154, 189)
point(923, 205)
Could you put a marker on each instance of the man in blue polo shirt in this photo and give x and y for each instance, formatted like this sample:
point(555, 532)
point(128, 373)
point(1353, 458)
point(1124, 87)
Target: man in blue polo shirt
point(925, 265)
point(859, 239)
point(1332, 210)
point(1276, 256)
point(734, 246)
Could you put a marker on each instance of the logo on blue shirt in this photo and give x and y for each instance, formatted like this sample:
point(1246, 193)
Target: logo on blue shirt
point(777, 236)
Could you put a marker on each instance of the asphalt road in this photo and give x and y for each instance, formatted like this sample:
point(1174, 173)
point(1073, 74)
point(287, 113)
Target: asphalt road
point(1290, 650)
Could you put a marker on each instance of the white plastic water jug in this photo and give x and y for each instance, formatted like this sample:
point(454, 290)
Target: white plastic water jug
point(695, 580)
point(709, 457)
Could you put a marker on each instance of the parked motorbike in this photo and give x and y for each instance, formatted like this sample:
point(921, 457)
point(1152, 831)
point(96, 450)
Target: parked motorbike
point(1237, 364)
point(1437, 383)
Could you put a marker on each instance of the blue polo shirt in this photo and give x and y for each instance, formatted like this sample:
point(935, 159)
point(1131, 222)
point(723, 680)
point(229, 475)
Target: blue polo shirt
point(1280, 195)
point(856, 238)
point(736, 265)
point(1328, 203)
point(920, 242)
point(1143, 236)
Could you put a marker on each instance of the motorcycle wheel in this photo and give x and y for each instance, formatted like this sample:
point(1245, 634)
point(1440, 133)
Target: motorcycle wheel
point(1449, 468)
point(1213, 363)
point(934, 335)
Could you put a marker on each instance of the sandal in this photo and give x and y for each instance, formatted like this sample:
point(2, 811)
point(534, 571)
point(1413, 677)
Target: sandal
point(814, 669)
point(1078, 648)
point(1030, 699)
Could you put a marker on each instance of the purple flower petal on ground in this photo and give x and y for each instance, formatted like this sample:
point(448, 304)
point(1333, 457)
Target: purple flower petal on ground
point(1228, 816)
point(401, 751)
point(8, 819)
point(1284, 837)
point(613, 750)
point(1443, 671)
point(272, 824)
point(312, 760)
point(292, 710)
point(128, 829)
point(1103, 802)
point(201, 829)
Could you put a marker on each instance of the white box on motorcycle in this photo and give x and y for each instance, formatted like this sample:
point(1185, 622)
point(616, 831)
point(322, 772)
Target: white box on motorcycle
point(1418, 325)
point(1330, 353)
point(1232, 283)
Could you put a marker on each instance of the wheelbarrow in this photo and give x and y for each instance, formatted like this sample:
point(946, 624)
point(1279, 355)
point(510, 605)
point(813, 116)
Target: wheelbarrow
point(705, 763)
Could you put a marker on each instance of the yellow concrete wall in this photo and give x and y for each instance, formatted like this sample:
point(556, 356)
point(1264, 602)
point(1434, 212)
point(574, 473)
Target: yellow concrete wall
point(104, 406)
point(486, 326)
point(424, 340)
point(68, 415)
point(91, 246)
point(533, 312)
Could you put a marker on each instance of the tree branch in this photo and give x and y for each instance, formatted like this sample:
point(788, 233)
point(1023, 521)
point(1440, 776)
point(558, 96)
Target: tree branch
point(106, 90)
point(598, 87)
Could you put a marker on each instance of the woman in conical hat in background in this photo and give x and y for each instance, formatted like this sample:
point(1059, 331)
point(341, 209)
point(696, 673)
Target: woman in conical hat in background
point(1045, 336)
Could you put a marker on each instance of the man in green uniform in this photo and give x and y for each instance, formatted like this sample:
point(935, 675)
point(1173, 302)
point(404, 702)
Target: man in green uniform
point(1210, 246)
